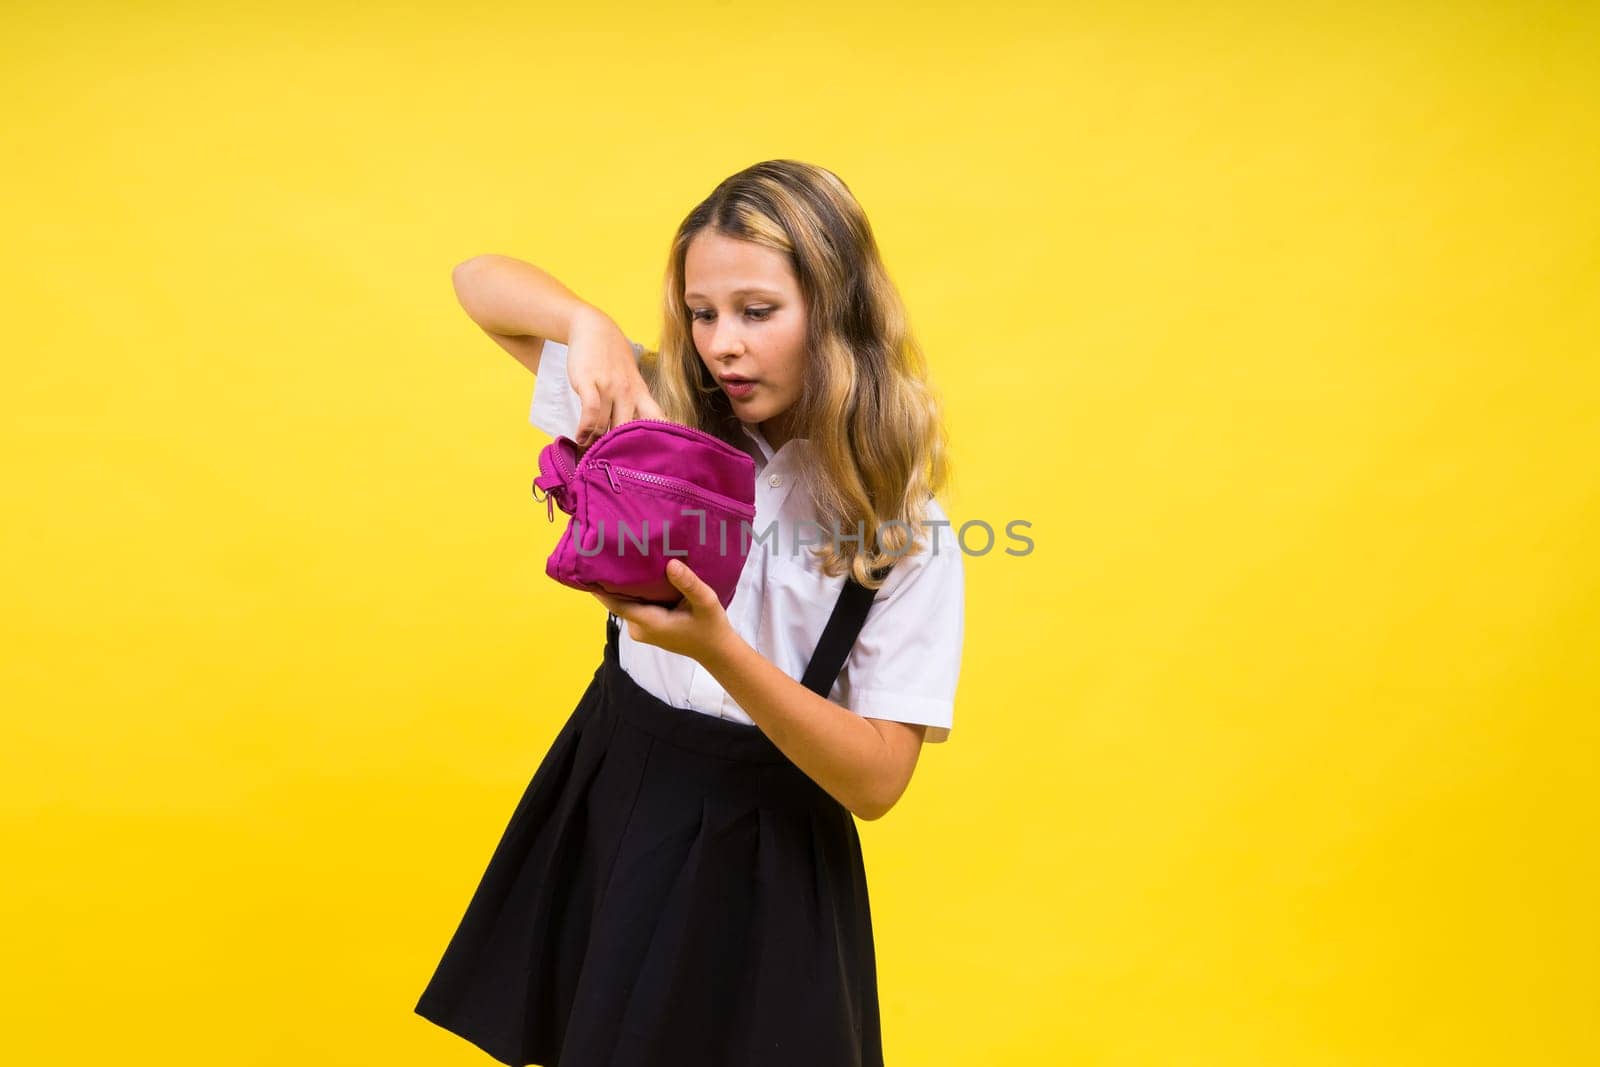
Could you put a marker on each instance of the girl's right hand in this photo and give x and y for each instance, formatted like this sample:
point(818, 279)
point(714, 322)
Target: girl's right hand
point(605, 373)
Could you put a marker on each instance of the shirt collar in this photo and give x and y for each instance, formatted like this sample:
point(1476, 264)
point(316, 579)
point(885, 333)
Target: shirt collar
point(753, 431)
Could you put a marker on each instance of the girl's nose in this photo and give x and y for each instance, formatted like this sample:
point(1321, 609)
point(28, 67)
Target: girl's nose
point(727, 341)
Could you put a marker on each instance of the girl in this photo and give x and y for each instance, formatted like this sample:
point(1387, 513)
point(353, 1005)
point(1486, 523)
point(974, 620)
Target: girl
point(682, 882)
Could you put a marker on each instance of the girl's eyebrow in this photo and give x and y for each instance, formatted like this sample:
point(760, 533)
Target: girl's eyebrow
point(736, 292)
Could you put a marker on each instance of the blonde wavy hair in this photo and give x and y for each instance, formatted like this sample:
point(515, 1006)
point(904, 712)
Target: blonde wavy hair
point(867, 406)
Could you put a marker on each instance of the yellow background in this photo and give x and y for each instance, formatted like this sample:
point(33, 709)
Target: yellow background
point(1277, 322)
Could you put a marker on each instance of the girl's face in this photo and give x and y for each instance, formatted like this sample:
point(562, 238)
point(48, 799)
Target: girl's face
point(749, 325)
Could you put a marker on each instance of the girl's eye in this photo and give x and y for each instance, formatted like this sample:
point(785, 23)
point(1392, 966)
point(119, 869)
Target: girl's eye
point(760, 314)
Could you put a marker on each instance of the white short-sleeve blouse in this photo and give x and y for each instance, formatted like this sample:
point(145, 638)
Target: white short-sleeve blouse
point(907, 659)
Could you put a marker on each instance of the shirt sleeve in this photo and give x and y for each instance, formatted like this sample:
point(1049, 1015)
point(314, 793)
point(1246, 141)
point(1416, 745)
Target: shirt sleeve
point(907, 659)
point(556, 406)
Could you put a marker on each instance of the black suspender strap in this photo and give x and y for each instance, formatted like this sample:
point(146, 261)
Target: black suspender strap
point(839, 635)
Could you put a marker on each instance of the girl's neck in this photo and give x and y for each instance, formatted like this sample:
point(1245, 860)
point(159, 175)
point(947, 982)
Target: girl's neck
point(774, 436)
point(776, 430)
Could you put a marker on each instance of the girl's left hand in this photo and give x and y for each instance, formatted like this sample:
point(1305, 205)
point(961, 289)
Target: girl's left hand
point(693, 627)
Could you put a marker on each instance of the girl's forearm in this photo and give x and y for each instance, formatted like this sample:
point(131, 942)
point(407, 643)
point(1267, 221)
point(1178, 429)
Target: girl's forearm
point(515, 298)
point(835, 747)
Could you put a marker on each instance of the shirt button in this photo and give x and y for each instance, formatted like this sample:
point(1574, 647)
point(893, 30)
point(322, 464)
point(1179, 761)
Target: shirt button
point(775, 480)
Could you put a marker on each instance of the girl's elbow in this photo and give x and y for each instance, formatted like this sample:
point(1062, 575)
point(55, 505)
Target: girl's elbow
point(875, 807)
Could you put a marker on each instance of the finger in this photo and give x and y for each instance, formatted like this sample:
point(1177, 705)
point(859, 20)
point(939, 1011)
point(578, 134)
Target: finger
point(689, 584)
point(609, 419)
point(589, 415)
point(648, 409)
point(625, 606)
point(641, 619)
point(637, 403)
point(596, 416)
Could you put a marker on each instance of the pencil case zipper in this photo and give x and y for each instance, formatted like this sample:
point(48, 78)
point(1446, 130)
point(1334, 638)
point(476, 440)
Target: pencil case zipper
point(674, 485)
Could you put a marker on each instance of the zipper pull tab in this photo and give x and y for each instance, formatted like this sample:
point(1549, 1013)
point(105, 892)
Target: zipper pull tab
point(549, 501)
point(610, 475)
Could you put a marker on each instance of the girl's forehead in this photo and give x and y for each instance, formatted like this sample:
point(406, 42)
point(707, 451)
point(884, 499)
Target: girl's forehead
point(719, 267)
point(739, 279)
point(713, 253)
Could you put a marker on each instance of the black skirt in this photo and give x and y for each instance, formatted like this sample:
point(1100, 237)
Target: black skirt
point(671, 890)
